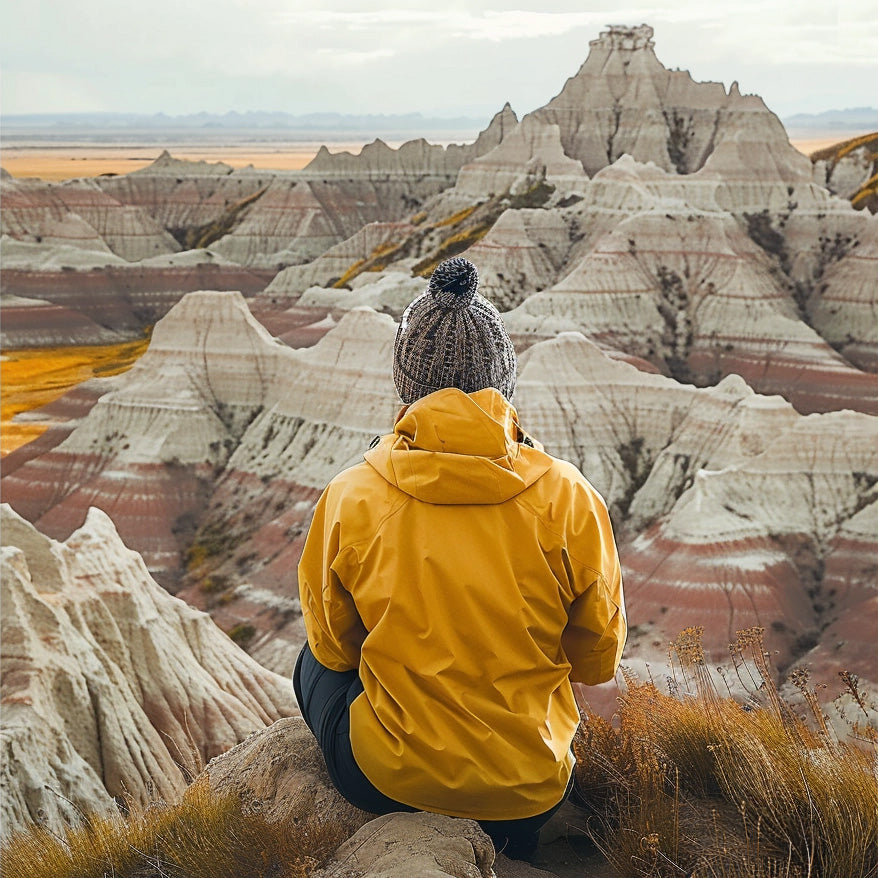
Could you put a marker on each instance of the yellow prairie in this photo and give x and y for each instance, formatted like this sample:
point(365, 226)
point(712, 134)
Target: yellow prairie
point(37, 376)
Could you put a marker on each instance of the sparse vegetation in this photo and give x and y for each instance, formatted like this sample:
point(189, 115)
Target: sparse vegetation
point(211, 541)
point(204, 836)
point(694, 783)
point(37, 376)
point(199, 237)
point(242, 634)
point(446, 237)
point(688, 782)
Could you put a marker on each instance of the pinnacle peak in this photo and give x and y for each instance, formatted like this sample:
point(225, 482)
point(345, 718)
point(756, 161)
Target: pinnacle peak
point(621, 36)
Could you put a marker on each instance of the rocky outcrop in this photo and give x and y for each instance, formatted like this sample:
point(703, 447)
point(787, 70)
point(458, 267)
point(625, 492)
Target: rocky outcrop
point(624, 101)
point(111, 687)
point(401, 845)
point(530, 153)
point(280, 771)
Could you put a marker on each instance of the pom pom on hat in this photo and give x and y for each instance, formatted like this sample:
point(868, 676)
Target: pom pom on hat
point(454, 283)
point(450, 336)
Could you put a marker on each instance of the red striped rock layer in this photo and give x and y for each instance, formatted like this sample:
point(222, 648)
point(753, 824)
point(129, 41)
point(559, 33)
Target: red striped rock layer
point(149, 451)
point(731, 509)
point(34, 323)
point(111, 687)
point(122, 300)
point(80, 214)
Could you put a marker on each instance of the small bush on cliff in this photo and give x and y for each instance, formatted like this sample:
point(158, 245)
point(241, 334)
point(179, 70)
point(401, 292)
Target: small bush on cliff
point(204, 836)
point(696, 784)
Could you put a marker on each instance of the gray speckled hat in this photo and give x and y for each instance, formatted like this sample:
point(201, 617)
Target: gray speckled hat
point(450, 336)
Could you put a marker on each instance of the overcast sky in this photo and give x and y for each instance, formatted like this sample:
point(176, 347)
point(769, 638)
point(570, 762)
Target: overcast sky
point(442, 57)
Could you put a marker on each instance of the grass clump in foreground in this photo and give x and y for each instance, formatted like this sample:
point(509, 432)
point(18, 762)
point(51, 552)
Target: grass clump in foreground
point(204, 836)
point(693, 783)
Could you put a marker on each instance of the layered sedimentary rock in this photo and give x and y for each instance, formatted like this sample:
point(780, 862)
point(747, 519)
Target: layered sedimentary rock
point(624, 101)
point(77, 213)
point(336, 263)
point(849, 169)
point(844, 305)
point(78, 288)
point(170, 421)
point(690, 292)
point(730, 506)
point(524, 252)
point(758, 505)
point(111, 687)
point(531, 151)
point(36, 323)
point(187, 198)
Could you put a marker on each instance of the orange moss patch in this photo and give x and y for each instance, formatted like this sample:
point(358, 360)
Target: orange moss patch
point(36, 376)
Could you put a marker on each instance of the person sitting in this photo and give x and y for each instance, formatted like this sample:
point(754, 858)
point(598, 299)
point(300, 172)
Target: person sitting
point(452, 585)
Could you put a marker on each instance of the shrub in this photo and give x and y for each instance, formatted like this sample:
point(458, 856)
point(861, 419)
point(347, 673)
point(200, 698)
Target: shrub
point(693, 783)
point(204, 836)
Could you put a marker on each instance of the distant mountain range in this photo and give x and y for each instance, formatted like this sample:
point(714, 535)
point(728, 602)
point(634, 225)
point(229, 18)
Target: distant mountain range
point(277, 125)
point(95, 126)
point(855, 118)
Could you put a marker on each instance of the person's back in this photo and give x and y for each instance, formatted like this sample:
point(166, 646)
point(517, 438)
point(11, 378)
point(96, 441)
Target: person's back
point(460, 577)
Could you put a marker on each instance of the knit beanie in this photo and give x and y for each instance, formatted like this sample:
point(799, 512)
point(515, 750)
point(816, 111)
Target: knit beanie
point(450, 336)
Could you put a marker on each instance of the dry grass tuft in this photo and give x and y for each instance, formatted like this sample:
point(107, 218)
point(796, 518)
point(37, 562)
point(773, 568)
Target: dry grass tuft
point(692, 783)
point(204, 836)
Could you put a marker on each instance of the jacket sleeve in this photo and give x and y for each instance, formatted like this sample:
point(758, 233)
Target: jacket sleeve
point(597, 627)
point(332, 623)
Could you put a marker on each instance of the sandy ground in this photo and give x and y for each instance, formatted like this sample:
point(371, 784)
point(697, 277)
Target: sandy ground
point(66, 162)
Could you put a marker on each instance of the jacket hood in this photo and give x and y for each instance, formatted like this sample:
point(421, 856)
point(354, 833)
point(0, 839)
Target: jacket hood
point(453, 448)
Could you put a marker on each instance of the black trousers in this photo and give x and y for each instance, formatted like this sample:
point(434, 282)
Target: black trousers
point(325, 698)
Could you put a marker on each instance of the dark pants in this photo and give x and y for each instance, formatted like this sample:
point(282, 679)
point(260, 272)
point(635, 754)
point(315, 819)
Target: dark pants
point(325, 698)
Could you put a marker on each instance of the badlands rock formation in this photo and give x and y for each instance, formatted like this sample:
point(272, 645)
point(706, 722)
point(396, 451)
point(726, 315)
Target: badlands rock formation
point(112, 689)
point(732, 509)
point(623, 101)
point(696, 319)
point(79, 214)
point(57, 295)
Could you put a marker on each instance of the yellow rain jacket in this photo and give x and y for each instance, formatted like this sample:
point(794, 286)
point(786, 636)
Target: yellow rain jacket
point(469, 576)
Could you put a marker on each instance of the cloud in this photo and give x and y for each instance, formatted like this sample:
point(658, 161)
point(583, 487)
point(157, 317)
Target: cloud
point(463, 56)
point(491, 25)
